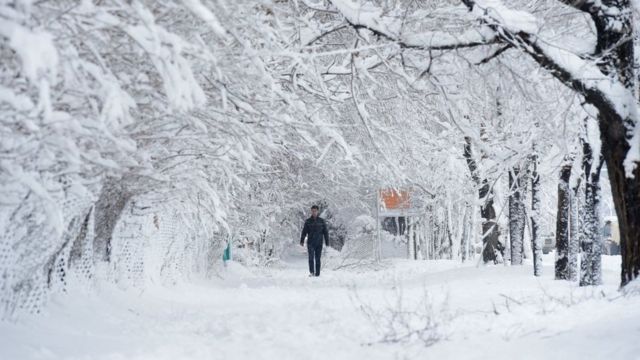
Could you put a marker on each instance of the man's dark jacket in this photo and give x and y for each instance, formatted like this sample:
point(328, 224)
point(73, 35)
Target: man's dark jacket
point(316, 229)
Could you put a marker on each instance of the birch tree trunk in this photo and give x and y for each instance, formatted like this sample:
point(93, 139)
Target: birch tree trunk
point(536, 242)
point(516, 216)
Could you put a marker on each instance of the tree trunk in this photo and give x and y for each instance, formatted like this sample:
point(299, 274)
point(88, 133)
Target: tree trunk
point(562, 224)
point(449, 228)
point(464, 241)
point(591, 239)
point(492, 249)
point(112, 200)
point(625, 191)
point(516, 216)
point(574, 231)
point(536, 245)
point(616, 45)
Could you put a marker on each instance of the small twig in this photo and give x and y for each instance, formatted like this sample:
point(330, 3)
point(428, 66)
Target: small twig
point(510, 298)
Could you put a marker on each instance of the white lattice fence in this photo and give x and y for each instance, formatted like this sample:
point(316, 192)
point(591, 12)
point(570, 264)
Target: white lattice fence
point(161, 245)
point(37, 255)
point(149, 243)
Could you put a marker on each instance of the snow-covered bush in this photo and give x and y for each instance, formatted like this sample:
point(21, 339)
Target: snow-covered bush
point(363, 225)
point(402, 321)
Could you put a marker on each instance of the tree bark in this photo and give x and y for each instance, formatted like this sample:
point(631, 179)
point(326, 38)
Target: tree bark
point(591, 239)
point(615, 43)
point(626, 194)
point(536, 245)
point(516, 216)
point(464, 241)
point(574, 231)
point(492, 249)
point(449, 235)
point(562, 224)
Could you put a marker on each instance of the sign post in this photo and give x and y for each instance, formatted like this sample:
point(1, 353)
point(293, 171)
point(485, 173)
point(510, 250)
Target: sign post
point(393, 202)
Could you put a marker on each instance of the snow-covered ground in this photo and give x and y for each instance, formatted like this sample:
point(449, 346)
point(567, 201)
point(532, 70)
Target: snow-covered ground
point(490, 312)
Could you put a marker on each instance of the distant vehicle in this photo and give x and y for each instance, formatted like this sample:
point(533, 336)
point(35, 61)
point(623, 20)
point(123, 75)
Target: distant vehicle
point(548, 243)
point(611, 236)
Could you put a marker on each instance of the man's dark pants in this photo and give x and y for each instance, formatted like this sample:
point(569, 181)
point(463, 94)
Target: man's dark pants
point(315, 251)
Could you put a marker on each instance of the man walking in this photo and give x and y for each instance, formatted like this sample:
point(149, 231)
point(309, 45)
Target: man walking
point(316, 229)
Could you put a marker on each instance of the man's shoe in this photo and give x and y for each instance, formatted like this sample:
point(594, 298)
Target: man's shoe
point(311, 275)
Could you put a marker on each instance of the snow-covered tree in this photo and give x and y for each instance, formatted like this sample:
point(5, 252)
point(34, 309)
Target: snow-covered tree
point(601, 70)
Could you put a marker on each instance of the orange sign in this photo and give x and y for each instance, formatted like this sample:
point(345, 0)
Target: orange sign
point(395, 199)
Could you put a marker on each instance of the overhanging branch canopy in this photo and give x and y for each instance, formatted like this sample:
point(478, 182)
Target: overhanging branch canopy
point(499, 24)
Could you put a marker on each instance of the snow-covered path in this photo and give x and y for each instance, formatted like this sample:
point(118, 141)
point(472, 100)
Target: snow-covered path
point(487, 312)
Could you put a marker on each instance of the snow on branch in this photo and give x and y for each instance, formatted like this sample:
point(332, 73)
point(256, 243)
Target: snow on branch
point(207, 15)
point(519, 29)
point(373, 18)
point(438, 40)
point(582, 74)
point(493, 12)
point(589, 6)
point(500, 24)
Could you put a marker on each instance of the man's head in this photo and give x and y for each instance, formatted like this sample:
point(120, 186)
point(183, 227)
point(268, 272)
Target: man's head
point(314, 211)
